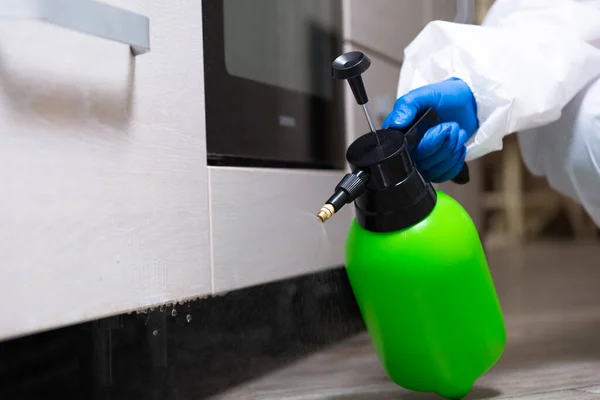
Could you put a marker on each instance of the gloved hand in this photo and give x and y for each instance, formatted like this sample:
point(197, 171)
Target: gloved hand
point(440, 155)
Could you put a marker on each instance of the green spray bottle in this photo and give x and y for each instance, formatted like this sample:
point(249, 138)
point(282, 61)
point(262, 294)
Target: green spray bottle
point(415, 260)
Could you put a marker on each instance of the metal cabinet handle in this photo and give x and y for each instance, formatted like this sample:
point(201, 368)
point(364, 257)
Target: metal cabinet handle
point(86, 16)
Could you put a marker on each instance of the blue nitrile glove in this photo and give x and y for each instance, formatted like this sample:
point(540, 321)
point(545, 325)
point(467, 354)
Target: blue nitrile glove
point(440, 155)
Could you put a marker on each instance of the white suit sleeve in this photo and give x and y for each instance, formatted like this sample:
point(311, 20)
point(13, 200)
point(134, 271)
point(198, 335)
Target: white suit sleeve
point(524, 63)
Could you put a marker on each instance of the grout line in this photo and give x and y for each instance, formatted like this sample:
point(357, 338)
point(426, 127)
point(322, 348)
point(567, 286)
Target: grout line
point(528, 394)
point(210, 233)
point(586, 389)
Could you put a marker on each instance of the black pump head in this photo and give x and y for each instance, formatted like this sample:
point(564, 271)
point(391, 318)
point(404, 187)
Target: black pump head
point(388, 190)
point(396, 196)
point(351, 66)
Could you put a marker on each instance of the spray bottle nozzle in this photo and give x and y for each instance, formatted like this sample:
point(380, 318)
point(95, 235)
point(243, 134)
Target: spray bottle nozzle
point(350, 67)
point(347, 190)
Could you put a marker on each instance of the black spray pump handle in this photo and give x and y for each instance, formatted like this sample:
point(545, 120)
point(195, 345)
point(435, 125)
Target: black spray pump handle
point(351, 66)
point(380, 157)
point(417, 131)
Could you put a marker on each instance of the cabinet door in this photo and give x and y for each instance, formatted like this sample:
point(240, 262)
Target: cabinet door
point(264, 226)
point(388, 26)
point(104, 205)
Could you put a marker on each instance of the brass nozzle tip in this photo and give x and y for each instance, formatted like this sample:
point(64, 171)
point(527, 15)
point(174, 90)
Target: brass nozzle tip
point(325, 212)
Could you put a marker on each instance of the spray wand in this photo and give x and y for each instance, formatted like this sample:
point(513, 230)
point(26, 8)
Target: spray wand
point(350, 66)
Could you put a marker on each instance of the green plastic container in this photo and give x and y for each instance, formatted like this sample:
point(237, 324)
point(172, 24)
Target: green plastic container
point(428, 300)
point(417, 268)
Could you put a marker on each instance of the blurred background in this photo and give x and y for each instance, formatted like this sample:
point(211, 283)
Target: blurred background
point(519, 207)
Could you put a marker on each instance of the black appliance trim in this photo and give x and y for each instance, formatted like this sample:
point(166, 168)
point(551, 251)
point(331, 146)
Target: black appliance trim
point(232, 118)
point(221, 160)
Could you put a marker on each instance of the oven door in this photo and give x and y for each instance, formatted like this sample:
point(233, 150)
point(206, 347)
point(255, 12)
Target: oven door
point(270, 98)
point(275, 138)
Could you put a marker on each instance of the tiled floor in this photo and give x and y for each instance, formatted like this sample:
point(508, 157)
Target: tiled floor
point(550, 294)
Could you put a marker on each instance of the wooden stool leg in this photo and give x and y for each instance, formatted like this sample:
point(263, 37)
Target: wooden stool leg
point(512, 188)
point(579, 220)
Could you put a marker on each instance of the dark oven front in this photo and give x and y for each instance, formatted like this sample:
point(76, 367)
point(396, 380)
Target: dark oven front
point(270, 97)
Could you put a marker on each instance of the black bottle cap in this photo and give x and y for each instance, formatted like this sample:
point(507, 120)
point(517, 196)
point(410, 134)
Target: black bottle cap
point(396, 194)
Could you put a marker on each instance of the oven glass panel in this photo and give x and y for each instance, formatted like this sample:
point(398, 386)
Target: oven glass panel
point(270, 97)
point(274, 42)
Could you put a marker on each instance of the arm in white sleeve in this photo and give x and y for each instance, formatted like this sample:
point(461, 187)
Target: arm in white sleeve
point(524, 63)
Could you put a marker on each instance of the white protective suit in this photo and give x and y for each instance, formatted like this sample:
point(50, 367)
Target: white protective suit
point(533, 67)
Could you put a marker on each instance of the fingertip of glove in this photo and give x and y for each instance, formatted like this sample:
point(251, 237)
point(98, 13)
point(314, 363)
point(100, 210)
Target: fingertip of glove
point(463, 137)
point(386, 122)
point(402, 115)
point(453, 126)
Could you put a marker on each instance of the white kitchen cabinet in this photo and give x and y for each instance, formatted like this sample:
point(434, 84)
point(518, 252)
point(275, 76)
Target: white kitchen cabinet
point(264, 225)
point(388, 26)
point(108, 205)
point(263, 220)
point(104, 205)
